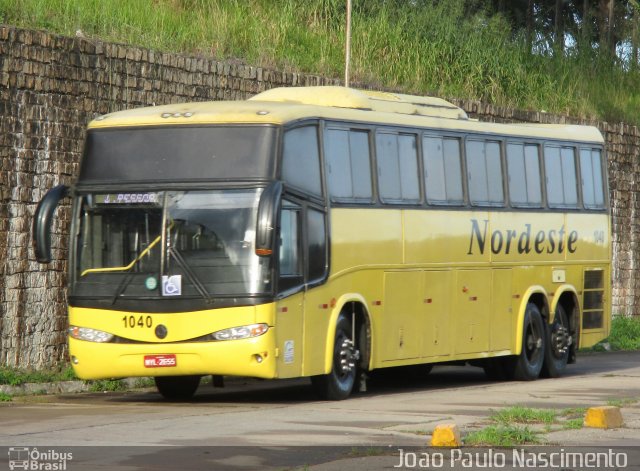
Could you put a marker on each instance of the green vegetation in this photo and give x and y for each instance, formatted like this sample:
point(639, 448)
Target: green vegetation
point(624, 335)
point(457, 48)
point(509, 431)
point(4, 397)
point(524, 415)
point(623, 402)
point(502, 435)
point(103, 385)
point(16, 377)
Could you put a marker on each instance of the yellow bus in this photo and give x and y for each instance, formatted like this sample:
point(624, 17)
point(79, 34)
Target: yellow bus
point(327, 232)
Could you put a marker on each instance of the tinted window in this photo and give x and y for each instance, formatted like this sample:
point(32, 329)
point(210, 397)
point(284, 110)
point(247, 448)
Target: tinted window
point(300, 159)
point(290, 260)
point(178, 153)
point(397, 160)
point(443, 172)
point(484, 169)
point(317, 250)
point(348, 167)
point(523, 168)
point(560, 172)
point(591, 173)
point(290, 254)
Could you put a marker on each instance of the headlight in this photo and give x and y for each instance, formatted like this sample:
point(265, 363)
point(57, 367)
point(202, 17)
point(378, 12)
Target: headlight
point(242, 332)
point(90, 335)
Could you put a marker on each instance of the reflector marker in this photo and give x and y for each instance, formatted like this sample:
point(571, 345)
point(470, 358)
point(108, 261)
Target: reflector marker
point(377, 303)
point(428, 301)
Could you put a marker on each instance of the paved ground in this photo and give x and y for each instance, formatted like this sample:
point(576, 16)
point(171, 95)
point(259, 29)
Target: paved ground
point(279, 425)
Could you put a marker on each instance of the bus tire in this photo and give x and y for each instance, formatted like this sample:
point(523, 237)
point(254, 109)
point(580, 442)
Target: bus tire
point(338, 384)
point(556, 354)
point(528, 364)
point(177, 388)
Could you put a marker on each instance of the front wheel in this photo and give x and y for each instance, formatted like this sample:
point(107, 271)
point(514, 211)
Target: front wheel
point(528, 364)
point(338, 384)
point(556, 354)
point(177, 388)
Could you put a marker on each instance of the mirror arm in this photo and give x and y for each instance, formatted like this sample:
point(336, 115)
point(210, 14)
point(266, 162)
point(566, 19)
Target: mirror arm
point(267, 219)
point(42, 221)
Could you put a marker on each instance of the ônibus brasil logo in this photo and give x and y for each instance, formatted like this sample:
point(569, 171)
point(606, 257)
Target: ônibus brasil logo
point(38, 460)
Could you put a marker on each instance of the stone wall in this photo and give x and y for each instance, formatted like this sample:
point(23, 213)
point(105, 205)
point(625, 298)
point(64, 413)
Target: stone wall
point(52, 86)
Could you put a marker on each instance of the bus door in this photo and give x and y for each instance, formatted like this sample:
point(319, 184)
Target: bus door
point(301, 312)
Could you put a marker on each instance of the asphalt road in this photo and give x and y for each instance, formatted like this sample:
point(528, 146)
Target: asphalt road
point(253, 424)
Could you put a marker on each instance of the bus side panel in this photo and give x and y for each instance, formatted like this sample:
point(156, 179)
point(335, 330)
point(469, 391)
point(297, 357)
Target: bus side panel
point(289, 335)
point(438, 328)
point(472, 303)
point(501, 324)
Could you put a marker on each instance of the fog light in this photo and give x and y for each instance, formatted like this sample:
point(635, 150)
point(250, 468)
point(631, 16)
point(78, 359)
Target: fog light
point(74, 360)
point(258, 357)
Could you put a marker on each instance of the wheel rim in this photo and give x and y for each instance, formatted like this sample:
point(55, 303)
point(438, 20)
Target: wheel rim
point(345, 357)
point(533, 343)
point(560, 337)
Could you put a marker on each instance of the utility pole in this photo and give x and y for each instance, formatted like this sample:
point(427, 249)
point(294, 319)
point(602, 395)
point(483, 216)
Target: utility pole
point(347, 60)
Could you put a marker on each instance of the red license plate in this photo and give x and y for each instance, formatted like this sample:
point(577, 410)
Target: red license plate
point(160, 361)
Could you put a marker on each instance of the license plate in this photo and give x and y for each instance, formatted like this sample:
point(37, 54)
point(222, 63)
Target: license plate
point(160, 361)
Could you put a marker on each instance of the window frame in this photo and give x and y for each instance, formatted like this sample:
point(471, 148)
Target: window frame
point(487, 139)
point(330, 126)
point(462, 167)
point(401, 201)
point(541, 176)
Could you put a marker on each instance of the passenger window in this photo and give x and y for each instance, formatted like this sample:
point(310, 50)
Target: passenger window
point(591, 173)
point(397, 159)
point(348, 165)
point(301, 160)
point(442, 169)
point(560, 172)
point(484, 169)
point(523, 167)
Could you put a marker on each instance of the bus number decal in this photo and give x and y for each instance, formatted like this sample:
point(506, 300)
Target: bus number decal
point(141, 321)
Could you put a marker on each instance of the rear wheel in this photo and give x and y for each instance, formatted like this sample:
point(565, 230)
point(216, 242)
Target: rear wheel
point(338, 384)
point(177, 388)
point(528, 364)
point(556, 354)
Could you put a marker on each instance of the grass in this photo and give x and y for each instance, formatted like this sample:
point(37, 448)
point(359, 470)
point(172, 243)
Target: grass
point(625, 333)
point(103, 385)
point(524, 415)
point(420, 47)
point(513, 425)
point(502, 435)
point(623, 402)
point(16, 377)
point(4, 397)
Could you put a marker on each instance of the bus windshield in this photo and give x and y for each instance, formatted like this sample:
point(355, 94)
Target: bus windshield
point(169, 244)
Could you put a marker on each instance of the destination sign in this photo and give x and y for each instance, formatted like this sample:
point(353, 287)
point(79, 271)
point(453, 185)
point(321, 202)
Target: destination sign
point(128, 198)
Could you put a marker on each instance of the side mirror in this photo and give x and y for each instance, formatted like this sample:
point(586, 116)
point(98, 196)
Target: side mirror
point(42, 221)
point(267, 219)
